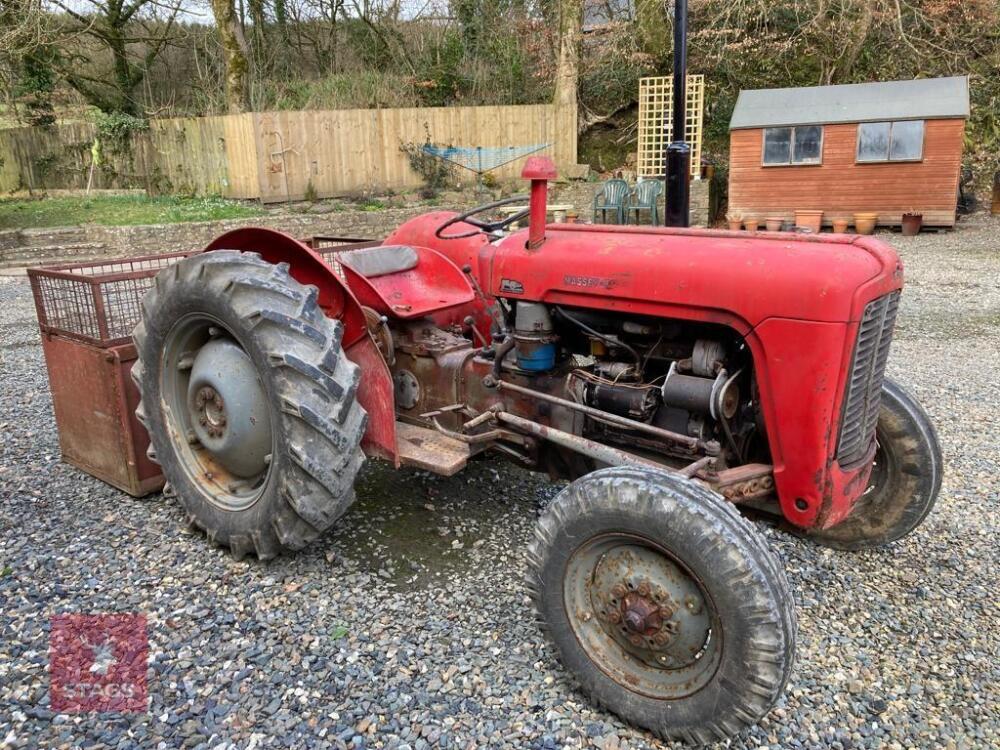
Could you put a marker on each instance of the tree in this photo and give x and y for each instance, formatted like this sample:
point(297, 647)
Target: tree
point(234, 48)
point(134, 32)
point(35, 85)
point(568, 66)
point(26, 52)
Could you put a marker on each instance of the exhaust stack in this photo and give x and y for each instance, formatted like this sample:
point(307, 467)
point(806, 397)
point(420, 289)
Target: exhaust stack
point(678, 157)
point(538, 169)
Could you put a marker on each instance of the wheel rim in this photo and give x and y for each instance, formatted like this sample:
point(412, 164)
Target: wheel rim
point(883, 467)
point(642, 616)
point(216, 412)
point(883, 474)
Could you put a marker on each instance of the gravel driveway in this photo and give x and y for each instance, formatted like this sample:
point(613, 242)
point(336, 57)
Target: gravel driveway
point(408, 626)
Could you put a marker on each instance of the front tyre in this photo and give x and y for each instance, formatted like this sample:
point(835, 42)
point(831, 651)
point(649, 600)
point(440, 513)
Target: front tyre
point(249, 401)
point(905, 479)
point(666, 605)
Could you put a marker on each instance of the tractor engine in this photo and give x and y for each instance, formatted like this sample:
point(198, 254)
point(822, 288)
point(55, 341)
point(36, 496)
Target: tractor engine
point(689, 379)
point(669, 379)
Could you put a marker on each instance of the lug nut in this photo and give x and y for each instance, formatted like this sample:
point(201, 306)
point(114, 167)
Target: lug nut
point(642, 589)
point(615, 616)
point(618, 591)
point(660, 638)
point(635, 640)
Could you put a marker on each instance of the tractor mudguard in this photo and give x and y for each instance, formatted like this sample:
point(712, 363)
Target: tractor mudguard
point(375, 390)
point(473, 253)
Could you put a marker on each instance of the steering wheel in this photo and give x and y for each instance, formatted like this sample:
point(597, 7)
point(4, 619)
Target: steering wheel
point(487, 227)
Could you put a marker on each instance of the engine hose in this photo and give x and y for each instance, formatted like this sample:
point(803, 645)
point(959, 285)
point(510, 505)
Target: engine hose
point(604, 337)
point(506, 345)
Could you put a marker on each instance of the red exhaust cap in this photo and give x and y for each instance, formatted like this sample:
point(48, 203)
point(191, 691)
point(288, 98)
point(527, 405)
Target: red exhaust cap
point(539, 168)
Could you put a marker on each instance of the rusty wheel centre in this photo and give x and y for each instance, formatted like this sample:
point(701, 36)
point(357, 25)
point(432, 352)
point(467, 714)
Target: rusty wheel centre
point(218, 413)
point(641, 616)
point(212, 411)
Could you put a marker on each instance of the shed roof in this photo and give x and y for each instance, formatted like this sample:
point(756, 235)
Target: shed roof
point(924, 98)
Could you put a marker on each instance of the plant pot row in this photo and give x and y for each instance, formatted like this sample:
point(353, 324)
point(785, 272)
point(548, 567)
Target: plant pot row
point(812, 221)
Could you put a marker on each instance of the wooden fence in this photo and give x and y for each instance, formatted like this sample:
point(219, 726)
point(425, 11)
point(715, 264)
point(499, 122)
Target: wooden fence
point(278, 156)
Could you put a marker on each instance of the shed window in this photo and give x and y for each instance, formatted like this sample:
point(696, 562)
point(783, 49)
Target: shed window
point(798, 145)
point(891, 141)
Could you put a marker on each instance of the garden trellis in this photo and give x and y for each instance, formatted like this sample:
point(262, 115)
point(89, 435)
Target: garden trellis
point(656, 123)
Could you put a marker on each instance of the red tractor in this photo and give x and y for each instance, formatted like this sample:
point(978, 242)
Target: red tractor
point(673, 376)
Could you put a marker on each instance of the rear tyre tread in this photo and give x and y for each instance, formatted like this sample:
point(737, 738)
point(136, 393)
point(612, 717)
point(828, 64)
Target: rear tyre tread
point(278, 315)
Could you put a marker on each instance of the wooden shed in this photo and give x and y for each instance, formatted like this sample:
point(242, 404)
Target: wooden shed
point(887, 148)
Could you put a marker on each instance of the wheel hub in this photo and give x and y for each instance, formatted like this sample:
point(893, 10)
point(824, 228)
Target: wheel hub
point(652, 608)
point(213, 411)
point(228, 408)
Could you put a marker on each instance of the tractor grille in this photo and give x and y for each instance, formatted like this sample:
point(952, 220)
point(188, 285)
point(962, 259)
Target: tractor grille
point(864, 389)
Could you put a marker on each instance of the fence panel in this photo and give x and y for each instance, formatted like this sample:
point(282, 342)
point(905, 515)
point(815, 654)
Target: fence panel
point(279, 156)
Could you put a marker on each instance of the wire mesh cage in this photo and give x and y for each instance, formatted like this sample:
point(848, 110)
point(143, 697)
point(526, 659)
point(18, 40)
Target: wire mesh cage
point(97, 303)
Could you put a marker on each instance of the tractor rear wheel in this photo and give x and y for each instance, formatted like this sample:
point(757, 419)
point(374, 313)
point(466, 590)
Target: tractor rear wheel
point(905, 479)
point(249, 401)
point(666, 605)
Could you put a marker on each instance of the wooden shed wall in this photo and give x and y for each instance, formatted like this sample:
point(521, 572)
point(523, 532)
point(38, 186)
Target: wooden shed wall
point(839, 186)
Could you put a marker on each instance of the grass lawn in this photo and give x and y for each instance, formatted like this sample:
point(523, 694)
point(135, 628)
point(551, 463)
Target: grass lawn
point(117, 210)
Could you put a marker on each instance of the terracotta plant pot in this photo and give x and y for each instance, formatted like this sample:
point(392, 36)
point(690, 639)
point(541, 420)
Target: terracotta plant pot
point(864, 223)
point(735, 225)
point(840, 225)
point(750, 224)
point(809, 219)
point(773, 223)
point(912, 224)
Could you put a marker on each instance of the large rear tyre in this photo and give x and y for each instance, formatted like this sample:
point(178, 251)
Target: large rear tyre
point(249, 401)
point(905, 480)
point(666, 605)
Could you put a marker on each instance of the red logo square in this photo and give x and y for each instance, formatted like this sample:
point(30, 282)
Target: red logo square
point(98, 663)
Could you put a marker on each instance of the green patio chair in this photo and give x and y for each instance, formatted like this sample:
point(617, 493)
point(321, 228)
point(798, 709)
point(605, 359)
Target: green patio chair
point(612, 196)
point(645, 196)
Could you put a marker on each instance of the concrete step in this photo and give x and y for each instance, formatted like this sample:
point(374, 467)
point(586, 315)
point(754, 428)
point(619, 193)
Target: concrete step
point(53, 235)
point(10, 238)
point(39, 254)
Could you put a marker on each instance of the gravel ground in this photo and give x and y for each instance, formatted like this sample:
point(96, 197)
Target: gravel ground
point(409, 627)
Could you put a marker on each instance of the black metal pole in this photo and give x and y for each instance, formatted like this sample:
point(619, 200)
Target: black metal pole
point(678, 156)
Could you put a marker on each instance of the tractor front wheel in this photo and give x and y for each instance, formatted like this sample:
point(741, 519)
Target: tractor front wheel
point(249, 401)
point(905, 478)
point(666, 605)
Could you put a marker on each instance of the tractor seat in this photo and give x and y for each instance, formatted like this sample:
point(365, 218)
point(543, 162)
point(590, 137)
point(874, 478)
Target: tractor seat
point(382, 260)
point(404, 281)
